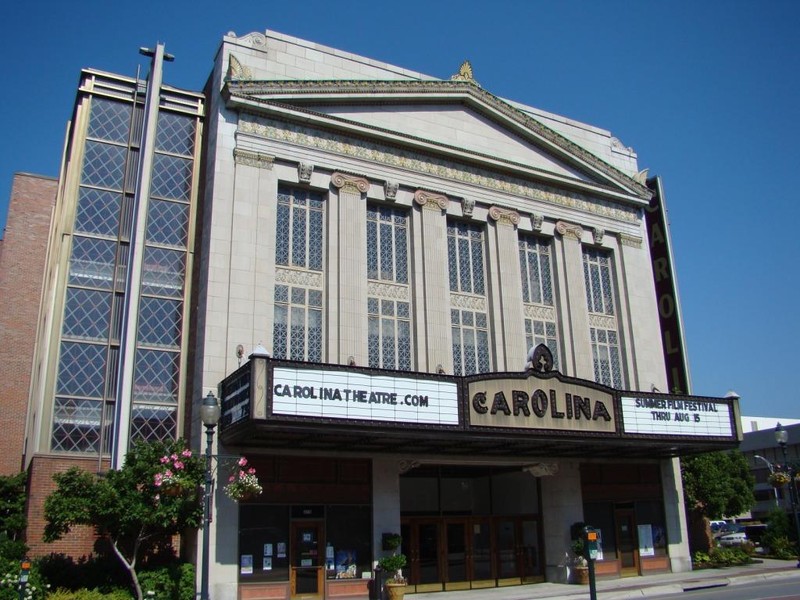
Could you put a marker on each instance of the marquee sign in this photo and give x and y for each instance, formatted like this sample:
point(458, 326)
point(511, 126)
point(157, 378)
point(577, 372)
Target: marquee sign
point(534, 403)
point(695, 417)
point(338, 394)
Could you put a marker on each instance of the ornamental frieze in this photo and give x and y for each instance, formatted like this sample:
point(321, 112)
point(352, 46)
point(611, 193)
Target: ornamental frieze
point(539, 313)
point(404, 159)
point(469, 302)
point(303, 278)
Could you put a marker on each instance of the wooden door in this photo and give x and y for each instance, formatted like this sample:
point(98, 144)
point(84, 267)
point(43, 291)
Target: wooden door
point(307, 561)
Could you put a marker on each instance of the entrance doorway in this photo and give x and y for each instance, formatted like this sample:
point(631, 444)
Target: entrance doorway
point(306, 566)
point(453, 553)
point(627, 542)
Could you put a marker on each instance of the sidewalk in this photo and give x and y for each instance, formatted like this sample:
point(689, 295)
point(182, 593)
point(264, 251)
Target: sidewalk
point(631, 587)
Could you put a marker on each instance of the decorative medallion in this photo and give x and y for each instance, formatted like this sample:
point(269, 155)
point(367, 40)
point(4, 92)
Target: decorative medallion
point(569, 230)
point(597, 234)
point(350, 183)
point(540, 359)
point(537, 221)
point(504, 215)
point(431, 199)
point(304, 171)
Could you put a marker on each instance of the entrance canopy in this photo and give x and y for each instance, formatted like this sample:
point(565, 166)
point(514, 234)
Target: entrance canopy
point(336, 408)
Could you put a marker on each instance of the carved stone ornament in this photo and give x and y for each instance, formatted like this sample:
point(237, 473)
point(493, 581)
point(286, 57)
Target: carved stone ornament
point(236, 70)
point(537, 221)
point(542, 469)
point(540, 359)
point(464, 73)
point(390, 190)
point(597, 234)
point(405, 465)
point(253, 159)
point(431, 199)
point(569, 230)
point(467, 206)
point(641, 176)
point(304, 171)
point(350, 183)
point(504, 215)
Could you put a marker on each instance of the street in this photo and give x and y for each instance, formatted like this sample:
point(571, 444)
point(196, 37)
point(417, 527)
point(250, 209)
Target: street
point(786, 589)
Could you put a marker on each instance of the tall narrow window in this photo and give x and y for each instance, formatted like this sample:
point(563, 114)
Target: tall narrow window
point(468, 303)
point(536, 270)
point(388, 304)
point(604, 332)
point(298, 328)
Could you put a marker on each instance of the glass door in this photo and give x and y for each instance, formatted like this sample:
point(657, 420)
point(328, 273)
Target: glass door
point(506, 548)
point(627, 541)
point(481, 551)
point(456, 546)
point(306, 560)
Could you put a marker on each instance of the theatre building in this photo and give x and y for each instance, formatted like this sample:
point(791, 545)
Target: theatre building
point(431, 311)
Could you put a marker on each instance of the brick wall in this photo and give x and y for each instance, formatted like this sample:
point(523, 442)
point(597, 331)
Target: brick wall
point(78, 542)
point(22, 263)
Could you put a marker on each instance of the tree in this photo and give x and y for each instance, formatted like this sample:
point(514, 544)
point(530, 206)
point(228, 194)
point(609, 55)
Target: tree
point(715, 485)
point(12, 516)
point(155, 494)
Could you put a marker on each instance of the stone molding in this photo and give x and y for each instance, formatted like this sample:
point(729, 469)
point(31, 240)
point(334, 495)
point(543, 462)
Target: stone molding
point(504, 216)
point(569, 230)
point(350, 183)
point(634, 241)
point(431, 200)
point(446, 169)
point(304, 172)
point(253, 159)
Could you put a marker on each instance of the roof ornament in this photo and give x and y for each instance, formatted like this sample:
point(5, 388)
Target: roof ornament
point(236, 70)
point(465, 73)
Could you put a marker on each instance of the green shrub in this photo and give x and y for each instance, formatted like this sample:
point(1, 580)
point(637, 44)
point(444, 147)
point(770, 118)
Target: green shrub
point(9, 582)
point(723, 557)
point(782, 548)
point(83, 594)
point(103, 573)
point(171, 582)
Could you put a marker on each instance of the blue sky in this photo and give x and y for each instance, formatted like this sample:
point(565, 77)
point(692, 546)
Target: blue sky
point(707, 93)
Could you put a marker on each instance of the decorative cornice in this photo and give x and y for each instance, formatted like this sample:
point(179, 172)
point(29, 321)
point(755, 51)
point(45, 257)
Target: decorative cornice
point(597, 235)
point(467, 206)
point(504, 215)
point(633, 241)
point(304, 172)
point(253, 159)
point(569, 230)
point(350, 183)
point(431, 199)
point(387, 155)
point(390, 190)
point(252, 89)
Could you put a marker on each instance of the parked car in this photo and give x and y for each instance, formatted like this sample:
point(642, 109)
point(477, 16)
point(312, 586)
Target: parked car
point(733, 538)
point(716, 526)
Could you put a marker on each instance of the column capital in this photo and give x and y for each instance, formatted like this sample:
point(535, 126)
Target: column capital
point(569, 230)
point(504, 215)
point(431, 199)
point(350, 183)
point(253, 159)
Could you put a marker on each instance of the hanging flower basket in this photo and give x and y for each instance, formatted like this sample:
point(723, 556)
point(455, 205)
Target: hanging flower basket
point(778, 479)
point(243, 485)
point(177, 474)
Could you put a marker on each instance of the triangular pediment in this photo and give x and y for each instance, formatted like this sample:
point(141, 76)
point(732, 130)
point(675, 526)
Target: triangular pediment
point(452, 118)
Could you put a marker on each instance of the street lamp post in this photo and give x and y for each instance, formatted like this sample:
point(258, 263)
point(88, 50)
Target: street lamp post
point(782, 437)
point(209, 415)
point(771, 470)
